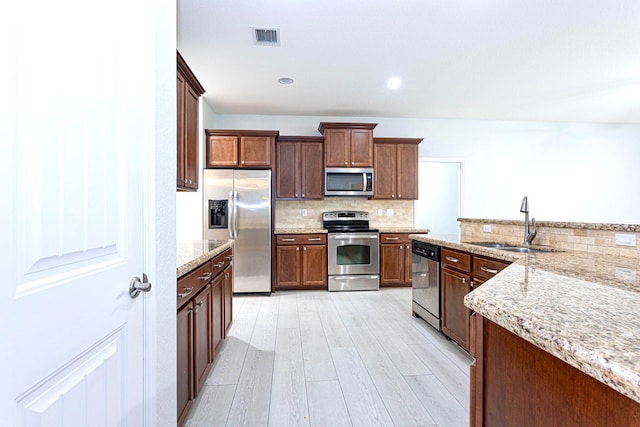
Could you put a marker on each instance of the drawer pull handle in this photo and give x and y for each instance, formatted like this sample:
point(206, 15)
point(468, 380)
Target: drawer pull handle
point(288, 240)
point(218, 264)
point(198, 305)
point(452, 259)
point(391, 238)
point(464, 280)
point(186, 292)
point(315, 239)
point(206, 276)
point(489, 270)
point(229, 257)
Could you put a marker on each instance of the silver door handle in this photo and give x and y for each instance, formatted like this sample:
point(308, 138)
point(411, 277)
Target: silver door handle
point(186, 292)
point(316, 239)
point(391, 238)
point(218, 264)
point(489, 270)
point(136, 285)
point(235, 214)
point(206, 276)
point(452, 259)
point(231, 209)
point(288, 240)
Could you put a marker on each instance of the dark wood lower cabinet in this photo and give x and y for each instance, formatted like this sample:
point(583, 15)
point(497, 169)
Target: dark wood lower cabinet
point(227, 287)
point(455, 315)
point(204, 316)
point(185, 361)
point(217, 321)
point(301, 261)
point(395, 260)
point(201, 336)
point(515, 383)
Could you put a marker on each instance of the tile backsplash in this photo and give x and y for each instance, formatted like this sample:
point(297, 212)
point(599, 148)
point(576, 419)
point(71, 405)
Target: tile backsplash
point(586, 237)
point(289, 213)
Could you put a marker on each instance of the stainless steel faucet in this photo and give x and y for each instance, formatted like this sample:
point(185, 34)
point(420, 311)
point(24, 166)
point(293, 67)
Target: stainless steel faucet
point(528, 236)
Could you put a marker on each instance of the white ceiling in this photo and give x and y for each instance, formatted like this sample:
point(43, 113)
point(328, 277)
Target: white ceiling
point(549, 60)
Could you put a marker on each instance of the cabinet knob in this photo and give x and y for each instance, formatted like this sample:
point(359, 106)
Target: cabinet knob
point(243, 162)
point(346, 163)
point(399, 195)
point(296, 194)
point(305, 248)
point(464, 280)
point(303, 195)
point(297, 249)
point(393, 196)
point(189, 181)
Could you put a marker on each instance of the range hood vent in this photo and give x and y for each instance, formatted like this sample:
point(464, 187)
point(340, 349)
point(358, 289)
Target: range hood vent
point(266, 36)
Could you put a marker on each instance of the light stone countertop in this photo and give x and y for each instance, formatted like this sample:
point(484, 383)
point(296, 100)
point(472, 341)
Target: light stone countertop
point(322, 230)
point(191, 254)
point(403, 230)
point(582, 308)
point(299, 231)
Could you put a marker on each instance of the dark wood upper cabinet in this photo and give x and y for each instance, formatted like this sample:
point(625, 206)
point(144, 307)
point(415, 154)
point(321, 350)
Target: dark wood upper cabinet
point(396, 168)
point(299, 168)
point(188, 94)
point(348, 145)
point(240, 148)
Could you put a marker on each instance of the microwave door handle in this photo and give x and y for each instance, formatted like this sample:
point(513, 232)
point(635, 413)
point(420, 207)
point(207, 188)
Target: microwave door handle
point(364, 181)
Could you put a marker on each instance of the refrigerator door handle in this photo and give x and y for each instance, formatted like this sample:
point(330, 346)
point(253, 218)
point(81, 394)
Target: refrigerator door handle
point(232, 209)
point(235, 214)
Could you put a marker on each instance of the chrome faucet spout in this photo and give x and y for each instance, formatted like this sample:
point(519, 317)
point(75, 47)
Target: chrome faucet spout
point(524, 208)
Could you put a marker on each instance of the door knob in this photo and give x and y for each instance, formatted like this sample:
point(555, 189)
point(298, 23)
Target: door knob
point(136, 285)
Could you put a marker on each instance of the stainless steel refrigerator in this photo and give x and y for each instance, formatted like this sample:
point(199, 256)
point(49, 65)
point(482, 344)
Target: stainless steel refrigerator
point(237, 205)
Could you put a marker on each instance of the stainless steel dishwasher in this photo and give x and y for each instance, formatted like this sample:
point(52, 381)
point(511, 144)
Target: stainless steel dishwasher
point(426, 283)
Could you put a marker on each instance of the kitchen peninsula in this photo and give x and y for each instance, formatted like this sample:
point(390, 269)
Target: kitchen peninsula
point(555, 337)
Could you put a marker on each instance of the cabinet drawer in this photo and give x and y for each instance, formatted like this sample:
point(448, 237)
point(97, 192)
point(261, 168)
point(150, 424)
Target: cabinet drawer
point(220, 262)
point(457, 260)
point(394, 238)
point(190, 284)
point(486, 268)
point(302, 239)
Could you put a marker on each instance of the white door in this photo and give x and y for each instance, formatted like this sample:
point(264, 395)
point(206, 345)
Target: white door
point(79, 85)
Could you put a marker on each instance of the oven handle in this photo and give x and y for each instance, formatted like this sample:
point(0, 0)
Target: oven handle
point(352, 236)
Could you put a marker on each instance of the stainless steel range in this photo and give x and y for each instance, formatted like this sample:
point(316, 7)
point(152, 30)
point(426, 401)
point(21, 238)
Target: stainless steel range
point(353, 251)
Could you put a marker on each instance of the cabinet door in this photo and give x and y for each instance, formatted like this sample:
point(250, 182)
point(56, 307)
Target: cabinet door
point(361, 148)
point(201, 337)
point(391, 263)
point(384, 182)
point(184, 343)
point(311, 171)
point(255, 151)
point(217, 314)
point(455, 316)
point(180, 88)
point(228, 298)
point(222, 151)
point(336, 148)
point(407, 171)
point(288, 261)
point(314, 265)
point(287, 170)
point(191, 166)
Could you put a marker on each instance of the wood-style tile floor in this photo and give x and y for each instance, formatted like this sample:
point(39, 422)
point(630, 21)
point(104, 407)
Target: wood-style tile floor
point(333, 359)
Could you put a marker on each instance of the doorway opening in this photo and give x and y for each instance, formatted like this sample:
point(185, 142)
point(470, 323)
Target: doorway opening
point(439, 203)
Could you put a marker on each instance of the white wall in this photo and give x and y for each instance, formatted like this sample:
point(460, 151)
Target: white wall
point(576, 172)
point(189, 212)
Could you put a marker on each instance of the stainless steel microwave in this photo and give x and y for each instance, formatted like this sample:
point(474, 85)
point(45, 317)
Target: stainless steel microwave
point(348, 182)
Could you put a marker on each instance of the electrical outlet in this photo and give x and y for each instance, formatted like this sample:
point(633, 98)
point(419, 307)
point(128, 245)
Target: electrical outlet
point(625, 239)
point(389, 212)
point(304, 212)
point(380, 212)
point(486, 228)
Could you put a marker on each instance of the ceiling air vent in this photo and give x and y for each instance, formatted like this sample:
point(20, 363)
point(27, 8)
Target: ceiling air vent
point(266, 36)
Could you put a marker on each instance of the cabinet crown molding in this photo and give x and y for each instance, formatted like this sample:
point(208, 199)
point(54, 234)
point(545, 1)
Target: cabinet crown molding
point(334, 125)
point(188, 74)
point(397, 140)
point(316, 139)
point(240, 132)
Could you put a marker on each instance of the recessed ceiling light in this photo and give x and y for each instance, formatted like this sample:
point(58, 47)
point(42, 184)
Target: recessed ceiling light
point(285, 80)
point(394, 83)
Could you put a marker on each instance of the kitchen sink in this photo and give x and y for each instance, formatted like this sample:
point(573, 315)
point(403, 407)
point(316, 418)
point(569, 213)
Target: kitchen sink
point(512, 247)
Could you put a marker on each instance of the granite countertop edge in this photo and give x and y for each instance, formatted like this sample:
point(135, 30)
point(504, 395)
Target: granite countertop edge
point(614, 362)
point(195, 258)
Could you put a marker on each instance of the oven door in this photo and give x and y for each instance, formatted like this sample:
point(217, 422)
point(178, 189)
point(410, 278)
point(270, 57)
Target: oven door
point(353, 253)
